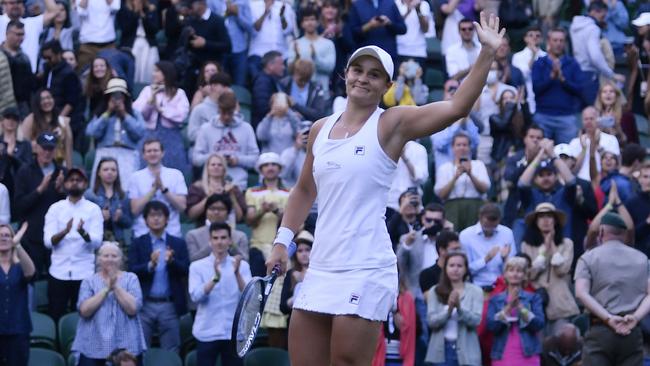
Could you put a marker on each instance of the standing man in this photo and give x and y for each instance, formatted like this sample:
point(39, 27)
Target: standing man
point(157, 182)
point(160, 261)
point(461, 56)
point(37, 186)
point(74, 228)
point(23, 81)
point(612, 282)
point(97, 32)
point(273, 23)
point(266, 84)
point(524, 60)
point(216, 282)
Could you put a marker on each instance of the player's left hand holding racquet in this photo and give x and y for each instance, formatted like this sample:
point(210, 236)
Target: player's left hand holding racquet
point(279, 256)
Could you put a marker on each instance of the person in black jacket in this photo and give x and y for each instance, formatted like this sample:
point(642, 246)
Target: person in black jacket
point(13, 152)
point(639, 208)
point(266, 84)
point(307, 96)
point(144, 49)
point(65, 86)
point(37, 186)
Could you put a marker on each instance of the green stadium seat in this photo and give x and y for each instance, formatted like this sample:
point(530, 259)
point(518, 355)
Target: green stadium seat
point(188, 342)
point(44, 331)
point(161, 357)
point(434, 79)
point(67, 329)
point(243, 95)
point(45, 357)
point(642, 124)
point(190, 359)
point(245, 112)
point(89, 161)
point(72, 360)
point(77, 159)
point(40, 296)
point(267, 356)
point(137, 88)
point(434, 49)
point(436, 95)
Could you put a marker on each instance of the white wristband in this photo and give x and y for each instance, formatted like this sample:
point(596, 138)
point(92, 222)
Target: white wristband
point(284, 236)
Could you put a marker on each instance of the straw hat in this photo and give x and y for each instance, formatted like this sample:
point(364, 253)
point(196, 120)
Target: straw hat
point(546, 207)
point(117, 85)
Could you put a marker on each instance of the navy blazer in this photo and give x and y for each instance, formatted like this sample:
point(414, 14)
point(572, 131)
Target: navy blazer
point(177, 268)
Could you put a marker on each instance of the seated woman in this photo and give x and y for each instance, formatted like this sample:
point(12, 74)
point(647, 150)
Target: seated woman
point(613, 117)
point(117, 130)
point(208, 69)
point(108, 194)
point(108, 307)
point(454, 312)
point(95, 83)
point(17, 271)
point(408, 89)
point(214, 180)
point(294, 276)
point(45, 118)
point(462, 184)
point(552, 256)
point(277, 131)
point(515, 317)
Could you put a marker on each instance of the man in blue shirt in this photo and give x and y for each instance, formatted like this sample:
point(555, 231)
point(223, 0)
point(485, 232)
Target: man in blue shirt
point(161, 263)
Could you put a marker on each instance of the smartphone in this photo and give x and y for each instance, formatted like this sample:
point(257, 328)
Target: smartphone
point(462, 160)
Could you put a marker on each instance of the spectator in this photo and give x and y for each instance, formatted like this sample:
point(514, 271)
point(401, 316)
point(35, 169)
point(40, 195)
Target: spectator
point(507, 127)
point(15, 10)
point(446, 242)
point(45, 117)
point(294, 276)
point(418, 19)
point(218, 208)
point(632, 157)
point(14, 152)
point(208, 107)
point(96, 28)
point(460, 56)
point(406, 219)
point(160, 183)
point(70, 58)
point(539, 183)
point(121, 357)
point(209, 40)
point(38, 185)
point(65, 87)
point(99, 74)
point(293, 158)
point(16, 324)
point(585, 38)
point(618, 25)
point(515, 316)
point(161, 262)
point(215, 180)
point(408, 89)
point(22, 80)
point(5, 209)
point(138, 23)
point(591, 133)
point(615, 205)
point(266, 204)
point(266, 83)
point(320, 51)
point(610, 175)
point(73, 230)
point(611, 117)
point(462, 184)
point(308, 99)
point(524, 60)
point(612, 335)
point(377, 25)
point(564, 347)
point(557, 86)
point(64, 27)
point(229, 135)
point(454, 312)
point(117, 130)
point(488, 245)
point(332, 27)
point(552, 256)
point(412, 171)
point(164, 107)
point(215, 284)
point(273, 22)
point(456, 11)
point(239, 23)
point(122, 62)
point(208, 69)
point(509, 74)
point(639, 207)
point(109, 302)
point(107, 193)
point(174, 21)
point(279, 127)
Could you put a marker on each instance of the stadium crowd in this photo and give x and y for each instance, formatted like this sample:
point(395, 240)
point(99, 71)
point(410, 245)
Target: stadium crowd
point(148, 147)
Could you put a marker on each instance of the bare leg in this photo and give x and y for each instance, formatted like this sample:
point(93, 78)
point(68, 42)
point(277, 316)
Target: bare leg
point(354, 340)
point(309, 338)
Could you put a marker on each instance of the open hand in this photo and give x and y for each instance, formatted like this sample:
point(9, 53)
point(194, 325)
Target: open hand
point(488, 31)
point(19, 234)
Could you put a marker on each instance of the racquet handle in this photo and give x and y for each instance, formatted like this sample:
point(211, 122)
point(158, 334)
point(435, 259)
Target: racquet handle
point(291, 250)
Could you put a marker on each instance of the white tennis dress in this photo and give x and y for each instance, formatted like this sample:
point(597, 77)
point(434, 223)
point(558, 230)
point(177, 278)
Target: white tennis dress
point(352, 267)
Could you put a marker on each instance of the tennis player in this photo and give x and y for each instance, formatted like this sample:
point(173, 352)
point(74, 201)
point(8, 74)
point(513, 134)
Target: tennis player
point(351, 284)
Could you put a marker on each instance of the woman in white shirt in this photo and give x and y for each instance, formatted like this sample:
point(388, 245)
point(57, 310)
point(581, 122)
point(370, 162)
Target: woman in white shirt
point(462, 184)
point(454, 312)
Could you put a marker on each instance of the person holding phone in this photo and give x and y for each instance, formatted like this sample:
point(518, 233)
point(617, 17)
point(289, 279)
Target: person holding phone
point(352, 283)
point(462, 184)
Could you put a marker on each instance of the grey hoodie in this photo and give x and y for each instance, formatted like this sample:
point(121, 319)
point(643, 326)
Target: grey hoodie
point(585, 38)
point(201, 114)
point(236, 139)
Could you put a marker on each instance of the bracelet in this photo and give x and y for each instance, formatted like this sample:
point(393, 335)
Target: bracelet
point(284, 236)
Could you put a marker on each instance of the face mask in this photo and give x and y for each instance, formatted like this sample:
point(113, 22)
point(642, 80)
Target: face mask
point(492, 77)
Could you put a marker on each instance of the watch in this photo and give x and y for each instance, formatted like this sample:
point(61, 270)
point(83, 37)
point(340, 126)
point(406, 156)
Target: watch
point(164, 190)
point(216, 278)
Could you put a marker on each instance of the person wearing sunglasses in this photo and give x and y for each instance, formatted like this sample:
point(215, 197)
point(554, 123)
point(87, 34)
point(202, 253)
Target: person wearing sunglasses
point(461, 56)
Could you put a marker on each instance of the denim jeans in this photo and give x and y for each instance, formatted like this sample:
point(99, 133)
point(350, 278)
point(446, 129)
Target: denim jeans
point(422, 341)
point(236, 65)
point(254, 67)
point(451, 358)
point(561, 129)
point(207, 353)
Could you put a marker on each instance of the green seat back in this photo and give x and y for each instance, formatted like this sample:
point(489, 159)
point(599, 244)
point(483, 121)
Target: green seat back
point(267, 356)
point(42, 357)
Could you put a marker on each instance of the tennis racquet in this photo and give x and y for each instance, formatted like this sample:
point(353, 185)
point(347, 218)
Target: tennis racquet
point(248, 315)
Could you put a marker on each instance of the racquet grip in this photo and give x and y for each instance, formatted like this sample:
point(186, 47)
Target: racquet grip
point(291, 250)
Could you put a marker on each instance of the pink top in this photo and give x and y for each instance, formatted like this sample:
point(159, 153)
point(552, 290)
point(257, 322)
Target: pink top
point(173, 110)
point(513, 353)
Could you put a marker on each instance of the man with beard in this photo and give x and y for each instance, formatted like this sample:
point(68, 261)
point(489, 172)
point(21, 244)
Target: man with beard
point(73, 230)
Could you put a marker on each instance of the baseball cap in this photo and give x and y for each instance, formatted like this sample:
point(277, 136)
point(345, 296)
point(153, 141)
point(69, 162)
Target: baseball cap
point(564, 149)
point(373, 51)
point(46, 140)
point(11, 112)
point(268, 158)
point(642, 19)
point(545, 165)
point(77, 171)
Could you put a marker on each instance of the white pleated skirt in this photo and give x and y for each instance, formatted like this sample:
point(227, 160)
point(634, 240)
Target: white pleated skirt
point(367, 293)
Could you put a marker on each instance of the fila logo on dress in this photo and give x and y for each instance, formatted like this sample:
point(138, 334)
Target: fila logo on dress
point(354, 299)
point(359, 150)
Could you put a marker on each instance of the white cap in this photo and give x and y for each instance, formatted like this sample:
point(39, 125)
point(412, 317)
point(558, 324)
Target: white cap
point(373, 51)
point(268, 158)
point(565, 149)
point(641, 20)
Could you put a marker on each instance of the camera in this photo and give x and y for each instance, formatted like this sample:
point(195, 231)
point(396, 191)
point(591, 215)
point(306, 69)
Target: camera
point(463, 160)
point(433, 230)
